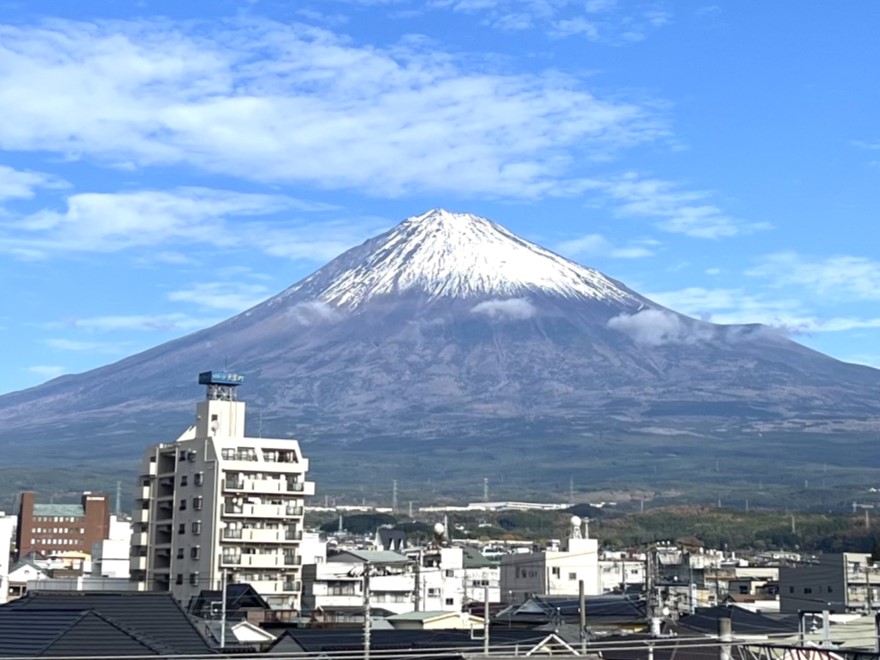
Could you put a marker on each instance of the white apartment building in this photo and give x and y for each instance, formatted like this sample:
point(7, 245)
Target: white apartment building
point(620, 570)
point(216, 502)
point(334, 590)
point(552, 572)
point(7, 533)
point(453, 576)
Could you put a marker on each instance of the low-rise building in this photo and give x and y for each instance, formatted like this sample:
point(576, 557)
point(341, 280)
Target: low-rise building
point(56, 528)
point(842, 582)
point(553, 572)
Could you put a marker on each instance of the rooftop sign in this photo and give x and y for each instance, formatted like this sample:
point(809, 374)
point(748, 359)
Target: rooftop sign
point(220, 378)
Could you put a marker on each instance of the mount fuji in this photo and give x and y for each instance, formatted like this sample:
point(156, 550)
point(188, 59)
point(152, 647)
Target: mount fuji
point(449, 348)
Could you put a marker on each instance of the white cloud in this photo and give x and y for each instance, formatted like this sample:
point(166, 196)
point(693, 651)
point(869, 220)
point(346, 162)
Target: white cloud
point(513, 309)
point(175, 322)
point(47, 371)
point(597, 20)
point(86, 346)
point(313, 313)
point(655, 327)
point(20, 184)
point(867, 145)
point(228, 296)
point(842, 275)
point(292, 103)
point(596, 245)
point(736, 306)
point(679, 211)
point(108, 222)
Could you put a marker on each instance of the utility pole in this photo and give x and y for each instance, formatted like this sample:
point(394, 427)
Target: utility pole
point(417, 591)
point(222, 609)
point(582, 611)
point(571, 490)
point(367, 617)
point(485, 489)
point(486, 621)
point(410, 508)
point(394, 496)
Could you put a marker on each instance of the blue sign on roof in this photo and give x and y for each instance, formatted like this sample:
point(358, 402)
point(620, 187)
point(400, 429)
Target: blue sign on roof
point(220, 378)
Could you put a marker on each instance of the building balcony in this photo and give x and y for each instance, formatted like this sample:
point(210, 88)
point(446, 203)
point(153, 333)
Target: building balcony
point(137, 563)
point(139, 538)
point(143, 493)
point(141, 516)
point(254, 535)
point(273, 560)
point(294, 510)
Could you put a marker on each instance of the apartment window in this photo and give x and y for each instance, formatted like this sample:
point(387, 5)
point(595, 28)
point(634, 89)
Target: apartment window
point(195, 552)
point(182, 455)
point(179, 579)
point(199, 478)
point(181, 528)
point(191, 455)
point(194, 578)
point(449, 601)
point(197, 527)
point(808, 590)
point(555, 571)
point(183, 505)
point(791, 590)
point(450, 573)
point(183, 480)
point(433, 592)
point(179, 555)
point(830, 589)
point(197, 503)
point(572, 576)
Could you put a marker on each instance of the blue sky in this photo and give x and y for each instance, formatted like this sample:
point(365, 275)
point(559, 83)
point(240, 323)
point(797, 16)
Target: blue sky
point(165, 165)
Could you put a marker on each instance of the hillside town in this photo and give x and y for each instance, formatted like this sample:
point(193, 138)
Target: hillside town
point(217, 555)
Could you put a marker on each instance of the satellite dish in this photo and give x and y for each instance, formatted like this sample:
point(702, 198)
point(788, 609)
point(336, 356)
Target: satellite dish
point(439, 529)
point(575, 521)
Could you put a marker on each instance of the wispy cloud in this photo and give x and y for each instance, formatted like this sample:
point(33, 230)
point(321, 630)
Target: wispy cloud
point(47, 371)
point(605, 21)
point(866, 145)
point(677, 210)
point(227, 296)
point(841, 276)
point(109, 222)
point(294, 103)
point(737, 306)
point(109, 348)
point(596, 245)
point(21, 184)
point(656, 327)
point(173, 322)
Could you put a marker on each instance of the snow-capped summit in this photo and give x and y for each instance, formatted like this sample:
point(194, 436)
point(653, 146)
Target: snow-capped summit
point(459, 255)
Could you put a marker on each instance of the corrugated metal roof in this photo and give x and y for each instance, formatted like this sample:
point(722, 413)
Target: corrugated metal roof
point(68, 510)
point(372, 556)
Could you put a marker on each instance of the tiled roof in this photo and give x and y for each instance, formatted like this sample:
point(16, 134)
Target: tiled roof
point(68, 510)
point(35, 633)
point(421, 616)
point(742, 621)
point(153, 616)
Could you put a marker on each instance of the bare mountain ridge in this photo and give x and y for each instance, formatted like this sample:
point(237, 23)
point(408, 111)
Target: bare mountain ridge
point(450, 329)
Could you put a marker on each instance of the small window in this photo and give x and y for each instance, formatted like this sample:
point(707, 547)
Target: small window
point(449, 601)
point(182, 455)
point(179, 555)
point(183, 480)
point(572, 576)
point(555, 571)
point(179, 579)
point(197, 503)
point(181, 528)
point(808, 590)
point(214, 417)
point(830, 589)
point(791, 590)
point(194, 578)
point(195, 552)
point(199, 478)
point(197, 527)
point(450, 573)
point(191, 455)
point(183, 505)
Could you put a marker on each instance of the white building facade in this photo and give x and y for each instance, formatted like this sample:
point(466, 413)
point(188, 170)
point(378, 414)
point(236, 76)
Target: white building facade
point(553, 573)
point(216, 502)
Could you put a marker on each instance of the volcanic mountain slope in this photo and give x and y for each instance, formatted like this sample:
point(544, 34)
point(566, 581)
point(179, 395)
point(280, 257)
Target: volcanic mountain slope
point(446, 329)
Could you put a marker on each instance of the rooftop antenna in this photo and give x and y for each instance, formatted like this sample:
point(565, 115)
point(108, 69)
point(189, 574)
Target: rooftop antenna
point(340, 523)
point(118, 499)
point(394, 496)
point(571, 490)
point(485, 489)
